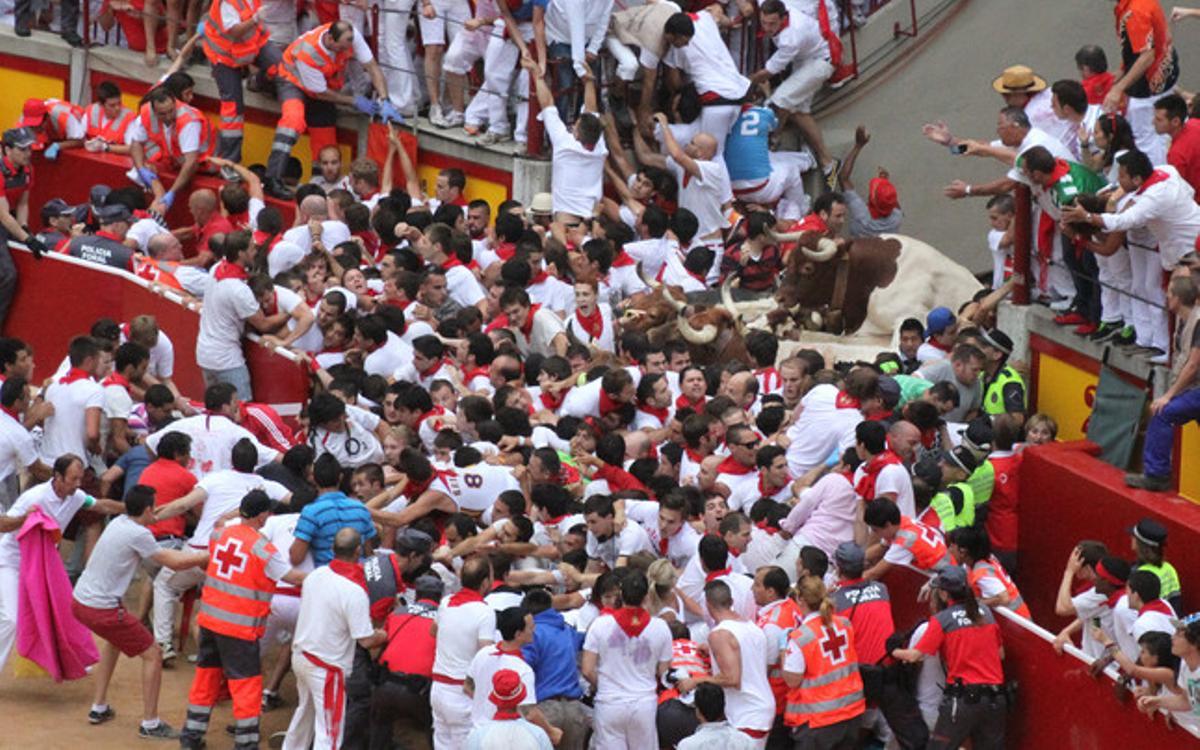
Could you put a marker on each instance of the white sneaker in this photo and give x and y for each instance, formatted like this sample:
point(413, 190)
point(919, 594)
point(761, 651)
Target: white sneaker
point(491, 138)
point(1160, 359)
point(1061, 305)
point(453, 119)
point(435, 116)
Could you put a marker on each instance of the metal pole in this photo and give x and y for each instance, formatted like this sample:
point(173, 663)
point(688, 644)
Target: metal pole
point(1022, 243)
point(533, 130)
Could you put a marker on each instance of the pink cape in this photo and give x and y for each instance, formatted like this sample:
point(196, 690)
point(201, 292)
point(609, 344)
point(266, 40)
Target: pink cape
point(47, 633)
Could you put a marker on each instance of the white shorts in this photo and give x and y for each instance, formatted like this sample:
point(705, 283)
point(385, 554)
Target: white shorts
point(796, 92)
point(467, 49)
point(450, 15)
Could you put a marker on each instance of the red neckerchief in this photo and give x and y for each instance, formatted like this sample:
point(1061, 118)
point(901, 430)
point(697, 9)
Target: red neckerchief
point(527, 329)
point(697, 406)
point(659, 412)
point(937, 344)
point(478, 372)
point(846, 401)
point(351, 571)
point(622, 260)
point(866, 485)
point(664, 543)
point(400, 304)
point(464, 596)
point(451, 262)
point(1155, 177)
point(500, 321)
point(11, 412)
point(506, 250)
point(879, 416)
point(1158, 605)
point(567, 474)
point(239, 221)
point(767, 527)
point(762, 485)
point(811, 223)
point(633, 620)
point(718, 573)
point(593, 324)
point(1114, 597)
point(116, 378)
point(731, 466)
point(1061, 170)
point(696, 457)
point(607, 405)
point(1097, 87)
point(73, 374)
point(437, 365)
point(556, 520)
point(227, 270)
point(540, 278)
point(436, 411)
point(550, 401)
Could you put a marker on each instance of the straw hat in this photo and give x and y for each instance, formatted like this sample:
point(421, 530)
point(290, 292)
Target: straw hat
point(1019, 79)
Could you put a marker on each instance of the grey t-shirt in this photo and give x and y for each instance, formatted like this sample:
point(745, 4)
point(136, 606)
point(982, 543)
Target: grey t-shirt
point(862, 224)
point(119, 551)
point(969, 396)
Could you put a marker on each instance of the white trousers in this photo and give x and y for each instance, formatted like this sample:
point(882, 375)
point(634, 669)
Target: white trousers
point(1150, 320)
point(626, 725)
point(10, 587)
point(452, 716)
point(309, 727)
point(717, 121)
point(169, 586)
point(490, 103)
point(1140, 114)
point(1116, 281)
point(281, 623)
point(395, 56)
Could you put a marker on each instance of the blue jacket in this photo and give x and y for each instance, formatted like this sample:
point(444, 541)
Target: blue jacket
point(552, 656)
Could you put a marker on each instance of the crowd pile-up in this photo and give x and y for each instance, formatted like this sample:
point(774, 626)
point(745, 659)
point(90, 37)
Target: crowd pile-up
point(532, 498)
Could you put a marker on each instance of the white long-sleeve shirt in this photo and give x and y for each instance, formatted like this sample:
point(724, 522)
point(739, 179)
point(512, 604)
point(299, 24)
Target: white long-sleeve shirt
point(581, 23)
point(1165, 205)
point(707, 61)
point(796, 42)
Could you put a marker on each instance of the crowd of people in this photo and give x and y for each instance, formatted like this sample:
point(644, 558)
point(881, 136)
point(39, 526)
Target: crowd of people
point(511, 514)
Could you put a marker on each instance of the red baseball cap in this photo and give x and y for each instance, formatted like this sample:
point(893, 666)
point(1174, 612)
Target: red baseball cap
point(32, 113)
point(882, 197)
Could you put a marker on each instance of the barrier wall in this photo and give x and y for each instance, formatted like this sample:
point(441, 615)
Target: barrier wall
point(59, 297)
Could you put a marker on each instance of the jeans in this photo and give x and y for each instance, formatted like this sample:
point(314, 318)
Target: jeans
point(238, 377)
point(1160, 433)
point(8, 277)
point(566, 98)
point(1084, 273)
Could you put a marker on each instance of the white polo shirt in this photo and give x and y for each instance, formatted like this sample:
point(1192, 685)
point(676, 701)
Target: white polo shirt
point(460, 629)
point(626, 668)
point(577, 172)
point(334, 613)
point(65, 431)
point(227, 305)
point(484, 665)
point(61, 509)
point(385, 360)
point(213, 437)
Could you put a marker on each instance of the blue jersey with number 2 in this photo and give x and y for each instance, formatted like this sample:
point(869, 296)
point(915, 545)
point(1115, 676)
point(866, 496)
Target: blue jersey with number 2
point(747, 152)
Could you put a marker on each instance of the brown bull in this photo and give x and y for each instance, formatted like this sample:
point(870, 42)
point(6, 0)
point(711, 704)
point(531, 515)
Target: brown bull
point(811, 279)
point(711, 333)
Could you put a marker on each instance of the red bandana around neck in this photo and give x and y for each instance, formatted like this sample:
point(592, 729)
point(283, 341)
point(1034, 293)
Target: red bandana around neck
point(1097, 87)
point(451, 262)
point(767, 527)
point(227, 270)
point(632, 620)
point(527, 329)
point(75, 373)
point(622, 260)
point(593, 324)
point(846, 401)
point(464, 596)
point(762, 485)
point(697, 406)
point(718, 573)
point(349, 570)
point(607, 405)
point(551, 401)
point(866, 485)
point(1158, 605)
point(731, 466)
point(659, 413)
point(1155, 177)
point(116, 378)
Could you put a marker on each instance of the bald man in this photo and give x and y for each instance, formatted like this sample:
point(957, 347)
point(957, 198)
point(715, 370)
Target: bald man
point(743, 389)
point(904, 437)
point(167, 252)
point(205, 211)
point(313, 221)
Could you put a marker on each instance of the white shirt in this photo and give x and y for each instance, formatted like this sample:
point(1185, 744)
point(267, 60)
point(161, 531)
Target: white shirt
point(287, 254)
point(463, 287)
point(743, 597)
point(651, 253)
point(630, 540)
point(352, 447)
point(718, 735)
point(707, 61)
point(1168, 209)
point(334, 613)
point(796, 43)
point(16, 447)
point(1040, 111)
point(227, 305)
point(554, 294)
point(460, 630)
point(115, 559)
point(892, 478)
point(143, 230)
point(1037, 137)
point(213, 437)
point(674, 273)
point(821, 429)
point(705, 195)
point(385, 360)
point(581, 24)
point(162, 356)
point(577, 173)
point(61, 509)
point(225, 490)
point(626, 668)
point(752, 704)
point(484, 665)
point(603, 342)
point(546, 326)
point(582, 401)
point(333, 233)
point(313, 80)
point(476, 488)
point(65, 431)
point(1092, 605)
point(692, 579)
point(518, 734)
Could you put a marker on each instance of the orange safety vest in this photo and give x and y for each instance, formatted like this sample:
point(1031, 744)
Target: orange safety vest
point(307, 49)
point(57, 114)
point(831, 689)
point(991, 568)
point(160, 272)
point(110, 131)
point(685, 655)
point(237, 591)
point(221, 48)
point(924, 542)
point(157, 145)
point(785, 616)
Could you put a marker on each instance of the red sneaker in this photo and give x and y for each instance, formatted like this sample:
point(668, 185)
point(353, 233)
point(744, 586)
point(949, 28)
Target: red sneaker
point(1070, 319)
point(842, 75)
point(1087, 329)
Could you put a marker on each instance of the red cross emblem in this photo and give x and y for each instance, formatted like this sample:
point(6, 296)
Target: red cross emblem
point(229, 558)
point(833, 644)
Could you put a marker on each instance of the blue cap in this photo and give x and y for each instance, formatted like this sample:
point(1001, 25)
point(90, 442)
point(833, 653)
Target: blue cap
point(938, 320)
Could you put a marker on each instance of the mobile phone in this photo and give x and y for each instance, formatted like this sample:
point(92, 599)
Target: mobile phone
point(1095, 622)
point(958, 148)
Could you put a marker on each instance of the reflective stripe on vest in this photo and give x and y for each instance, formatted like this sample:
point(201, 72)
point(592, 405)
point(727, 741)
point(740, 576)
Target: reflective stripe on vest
point(926, 544)
point(831, 689)
point(157, 145)
point(307, 49)
point(818, 707)
point(829, 678)
point(112, 131)
point(993, 397)
point(986, 568)
point(220, 47)
point(236, 598)
point(944, 507)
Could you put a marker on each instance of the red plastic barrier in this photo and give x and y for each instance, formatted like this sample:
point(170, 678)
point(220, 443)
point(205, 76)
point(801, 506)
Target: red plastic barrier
point(60, 297)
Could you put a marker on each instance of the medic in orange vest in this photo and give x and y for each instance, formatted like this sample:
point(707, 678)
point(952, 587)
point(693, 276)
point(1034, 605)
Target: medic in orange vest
point(168, 134)
point(820, 667)
point(240, 580)
point(106, 120)
point(233, 39)
point(56, 123)
point(903, 541)
point(308, 82)
point(778, 616)
point(986, 575)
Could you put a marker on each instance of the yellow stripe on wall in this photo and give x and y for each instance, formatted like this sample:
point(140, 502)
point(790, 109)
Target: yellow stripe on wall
point(477, 188)
point(19, 86)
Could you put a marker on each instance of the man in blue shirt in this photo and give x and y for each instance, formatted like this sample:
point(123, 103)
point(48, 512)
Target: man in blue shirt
point(759, 175)
point(553, 656)
point(331, 512)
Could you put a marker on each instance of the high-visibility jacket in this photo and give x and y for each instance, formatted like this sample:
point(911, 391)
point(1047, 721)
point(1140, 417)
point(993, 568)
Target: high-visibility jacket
point(686, 656)
point(927, 546)
point(58, 113)
point(220, 47)
point(954, 507)
point(831, 689)
point(237, 591)
point(158, 271)
point(307, 49)
point(99, 126)
point(159, 146)
point(991, 568)
point(993, 396)
point(785, 616)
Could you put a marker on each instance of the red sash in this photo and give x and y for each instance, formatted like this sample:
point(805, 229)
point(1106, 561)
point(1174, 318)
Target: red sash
point(335, 696)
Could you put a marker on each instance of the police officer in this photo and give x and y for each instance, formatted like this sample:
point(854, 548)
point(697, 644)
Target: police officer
point(234, 603)
point(107, 246)
point(58, 219)
point(965, 634)
point(402, 687)
point(1003, 387)
point(17, 172)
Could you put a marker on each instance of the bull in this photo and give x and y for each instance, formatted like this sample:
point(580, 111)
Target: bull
point(713, 334)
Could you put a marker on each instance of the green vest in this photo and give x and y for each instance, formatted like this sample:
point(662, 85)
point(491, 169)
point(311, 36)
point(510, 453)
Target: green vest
point(943, 505)
point(993, 397)
point(1168, 578)
point(981, 482)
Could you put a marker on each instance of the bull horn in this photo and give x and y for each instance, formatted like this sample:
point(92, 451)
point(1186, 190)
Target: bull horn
point(727, 300)
point(826, 249)
point(781, 237)
point(705, 335)
point(649, 282)
point(679, 306)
